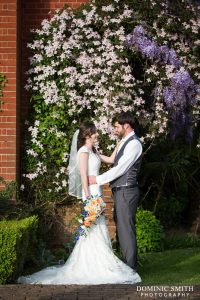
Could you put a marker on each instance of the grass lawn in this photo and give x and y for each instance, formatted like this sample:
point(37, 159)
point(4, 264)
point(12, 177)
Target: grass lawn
point(180, 266)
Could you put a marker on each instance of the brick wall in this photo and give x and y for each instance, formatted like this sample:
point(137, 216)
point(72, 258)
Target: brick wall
point(109, 211)
point(8, 54)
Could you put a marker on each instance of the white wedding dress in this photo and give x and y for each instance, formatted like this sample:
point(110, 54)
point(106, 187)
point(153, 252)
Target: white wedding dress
point(92, 260)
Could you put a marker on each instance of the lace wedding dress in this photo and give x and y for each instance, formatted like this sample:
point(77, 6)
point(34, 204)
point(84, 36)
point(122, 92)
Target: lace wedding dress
point(92, 260)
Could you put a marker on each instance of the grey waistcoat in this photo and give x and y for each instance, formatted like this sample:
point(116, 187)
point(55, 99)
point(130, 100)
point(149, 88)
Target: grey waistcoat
point(130, 177)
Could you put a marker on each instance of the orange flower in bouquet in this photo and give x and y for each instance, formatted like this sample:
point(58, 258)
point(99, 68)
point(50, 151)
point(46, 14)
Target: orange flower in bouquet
point(93, 207)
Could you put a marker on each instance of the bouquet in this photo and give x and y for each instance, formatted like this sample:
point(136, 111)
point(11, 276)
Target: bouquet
point(93, 207)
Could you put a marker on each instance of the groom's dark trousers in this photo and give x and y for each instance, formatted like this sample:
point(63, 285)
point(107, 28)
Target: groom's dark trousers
point(126, 201)
point(126, 195)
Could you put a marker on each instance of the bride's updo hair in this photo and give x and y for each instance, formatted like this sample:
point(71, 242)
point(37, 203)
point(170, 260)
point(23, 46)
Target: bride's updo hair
point(86, 129)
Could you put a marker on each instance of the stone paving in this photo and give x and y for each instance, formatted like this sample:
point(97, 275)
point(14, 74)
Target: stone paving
point(93, 292)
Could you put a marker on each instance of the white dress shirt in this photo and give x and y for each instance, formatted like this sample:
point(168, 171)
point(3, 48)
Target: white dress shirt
point(131, 153)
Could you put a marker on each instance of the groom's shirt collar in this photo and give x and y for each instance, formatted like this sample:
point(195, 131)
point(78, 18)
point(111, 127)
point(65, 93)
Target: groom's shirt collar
point(128, 136)
point(123, 140)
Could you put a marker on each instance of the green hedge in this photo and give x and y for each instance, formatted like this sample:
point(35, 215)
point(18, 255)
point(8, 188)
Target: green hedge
point(149, 232)
point(17, 241)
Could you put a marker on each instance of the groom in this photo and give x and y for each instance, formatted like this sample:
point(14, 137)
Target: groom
point(123, 181)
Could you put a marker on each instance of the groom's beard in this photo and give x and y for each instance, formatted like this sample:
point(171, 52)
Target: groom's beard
point(121, 134)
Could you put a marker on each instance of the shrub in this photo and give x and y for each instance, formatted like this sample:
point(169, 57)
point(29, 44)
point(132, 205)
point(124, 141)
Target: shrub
point(7, 193)
point(170, 210)
point(181, 241)
point(17, 240)
point(149, 232)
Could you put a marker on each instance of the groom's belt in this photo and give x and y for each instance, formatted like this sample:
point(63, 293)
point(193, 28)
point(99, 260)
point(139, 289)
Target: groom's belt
point(123, 187)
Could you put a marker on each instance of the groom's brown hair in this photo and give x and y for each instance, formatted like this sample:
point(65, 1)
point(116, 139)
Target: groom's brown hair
point(125, 117)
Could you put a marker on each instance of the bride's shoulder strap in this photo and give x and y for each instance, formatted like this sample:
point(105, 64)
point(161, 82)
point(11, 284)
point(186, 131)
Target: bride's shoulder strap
point(84, 149)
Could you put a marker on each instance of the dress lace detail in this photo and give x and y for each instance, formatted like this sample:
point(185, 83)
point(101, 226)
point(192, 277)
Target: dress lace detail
point(92, 260)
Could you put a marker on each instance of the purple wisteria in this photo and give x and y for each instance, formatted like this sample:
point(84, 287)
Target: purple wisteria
point(151, 49)
point(182, 90)
point(180, 95)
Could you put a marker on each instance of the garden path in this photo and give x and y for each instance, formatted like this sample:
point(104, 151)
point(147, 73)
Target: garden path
point(75, 292)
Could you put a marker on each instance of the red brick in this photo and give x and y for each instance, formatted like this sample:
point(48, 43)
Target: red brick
point(8, 108)
point(7, 2)
point(12, 6)
point(8, 151)
point(75, 5)
point(11, 27)
point(6, 119)
point(8, 112)
point(11, 131)
point(7, 50)
point(9, 177)
point(13, 30)
point(8, 158)
point(7, 37)
point(7, 20)
point(9, 99)
point(9, 93)
point(6, 138)
point(9, 83)
point(7, 44)
point(7, 132)
point(8, 170)
point(8, 13)
point(6, 125)
point(7, 56)
point(6, 164)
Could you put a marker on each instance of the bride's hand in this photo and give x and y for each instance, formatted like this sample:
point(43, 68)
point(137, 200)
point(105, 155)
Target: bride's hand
point(92, 179)
point(117, 146)
point(110, 159)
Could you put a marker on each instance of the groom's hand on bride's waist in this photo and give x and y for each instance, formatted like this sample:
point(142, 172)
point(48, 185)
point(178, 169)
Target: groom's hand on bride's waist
point(92, 180)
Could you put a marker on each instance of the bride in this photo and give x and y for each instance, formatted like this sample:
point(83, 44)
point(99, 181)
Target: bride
point(92, 260)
